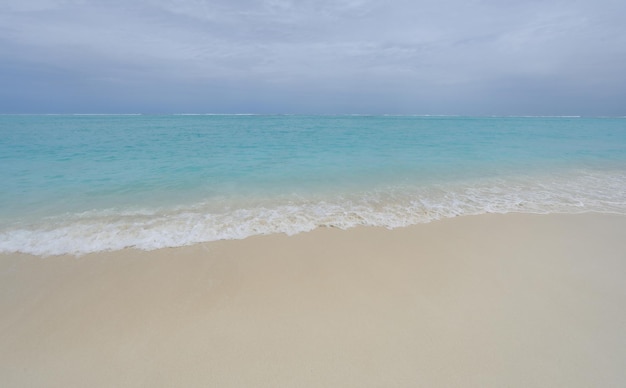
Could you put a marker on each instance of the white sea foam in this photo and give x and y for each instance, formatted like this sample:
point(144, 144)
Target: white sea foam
point(389, 207)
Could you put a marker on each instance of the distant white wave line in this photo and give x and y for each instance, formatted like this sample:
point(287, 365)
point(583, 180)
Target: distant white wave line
point(153, 229)
point(107, 114)
point(220, 114)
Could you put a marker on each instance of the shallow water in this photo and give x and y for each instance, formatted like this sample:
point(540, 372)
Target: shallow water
point(77, 184)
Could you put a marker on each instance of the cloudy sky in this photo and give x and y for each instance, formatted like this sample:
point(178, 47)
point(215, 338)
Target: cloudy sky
point(475, 57)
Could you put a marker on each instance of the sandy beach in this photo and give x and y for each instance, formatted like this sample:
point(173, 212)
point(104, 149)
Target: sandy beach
point(478, 301)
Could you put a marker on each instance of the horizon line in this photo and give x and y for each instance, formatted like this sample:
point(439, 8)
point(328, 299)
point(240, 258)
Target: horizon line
point(317, 114)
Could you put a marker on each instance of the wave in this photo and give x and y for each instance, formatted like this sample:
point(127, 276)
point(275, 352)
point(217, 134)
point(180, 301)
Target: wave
point(390, 207)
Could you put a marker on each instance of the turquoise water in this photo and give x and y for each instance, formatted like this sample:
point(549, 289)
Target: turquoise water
point(78, 184)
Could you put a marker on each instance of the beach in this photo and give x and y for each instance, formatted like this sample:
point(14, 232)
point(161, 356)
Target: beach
point(344, 194)
point(493, 300)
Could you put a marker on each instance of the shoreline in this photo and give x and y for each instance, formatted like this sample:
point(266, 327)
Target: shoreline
point(488, 300)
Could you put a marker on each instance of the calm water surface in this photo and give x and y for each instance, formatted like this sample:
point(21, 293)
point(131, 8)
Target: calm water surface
point(78, 184)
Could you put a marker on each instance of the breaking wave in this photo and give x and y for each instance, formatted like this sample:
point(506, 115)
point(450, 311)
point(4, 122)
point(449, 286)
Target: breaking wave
point(390, 207)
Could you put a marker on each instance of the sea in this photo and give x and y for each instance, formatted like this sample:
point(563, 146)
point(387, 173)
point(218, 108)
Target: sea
point(75, 184)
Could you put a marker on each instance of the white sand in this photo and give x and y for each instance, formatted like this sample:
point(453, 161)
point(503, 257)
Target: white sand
point(486, 301)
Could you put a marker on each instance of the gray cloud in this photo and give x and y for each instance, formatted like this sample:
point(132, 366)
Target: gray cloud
point(467, 57)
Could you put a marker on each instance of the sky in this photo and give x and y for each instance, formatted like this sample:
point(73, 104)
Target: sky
point(467, 57)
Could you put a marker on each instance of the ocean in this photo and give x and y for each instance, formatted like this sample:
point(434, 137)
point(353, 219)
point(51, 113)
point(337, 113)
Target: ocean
point(75, 184)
